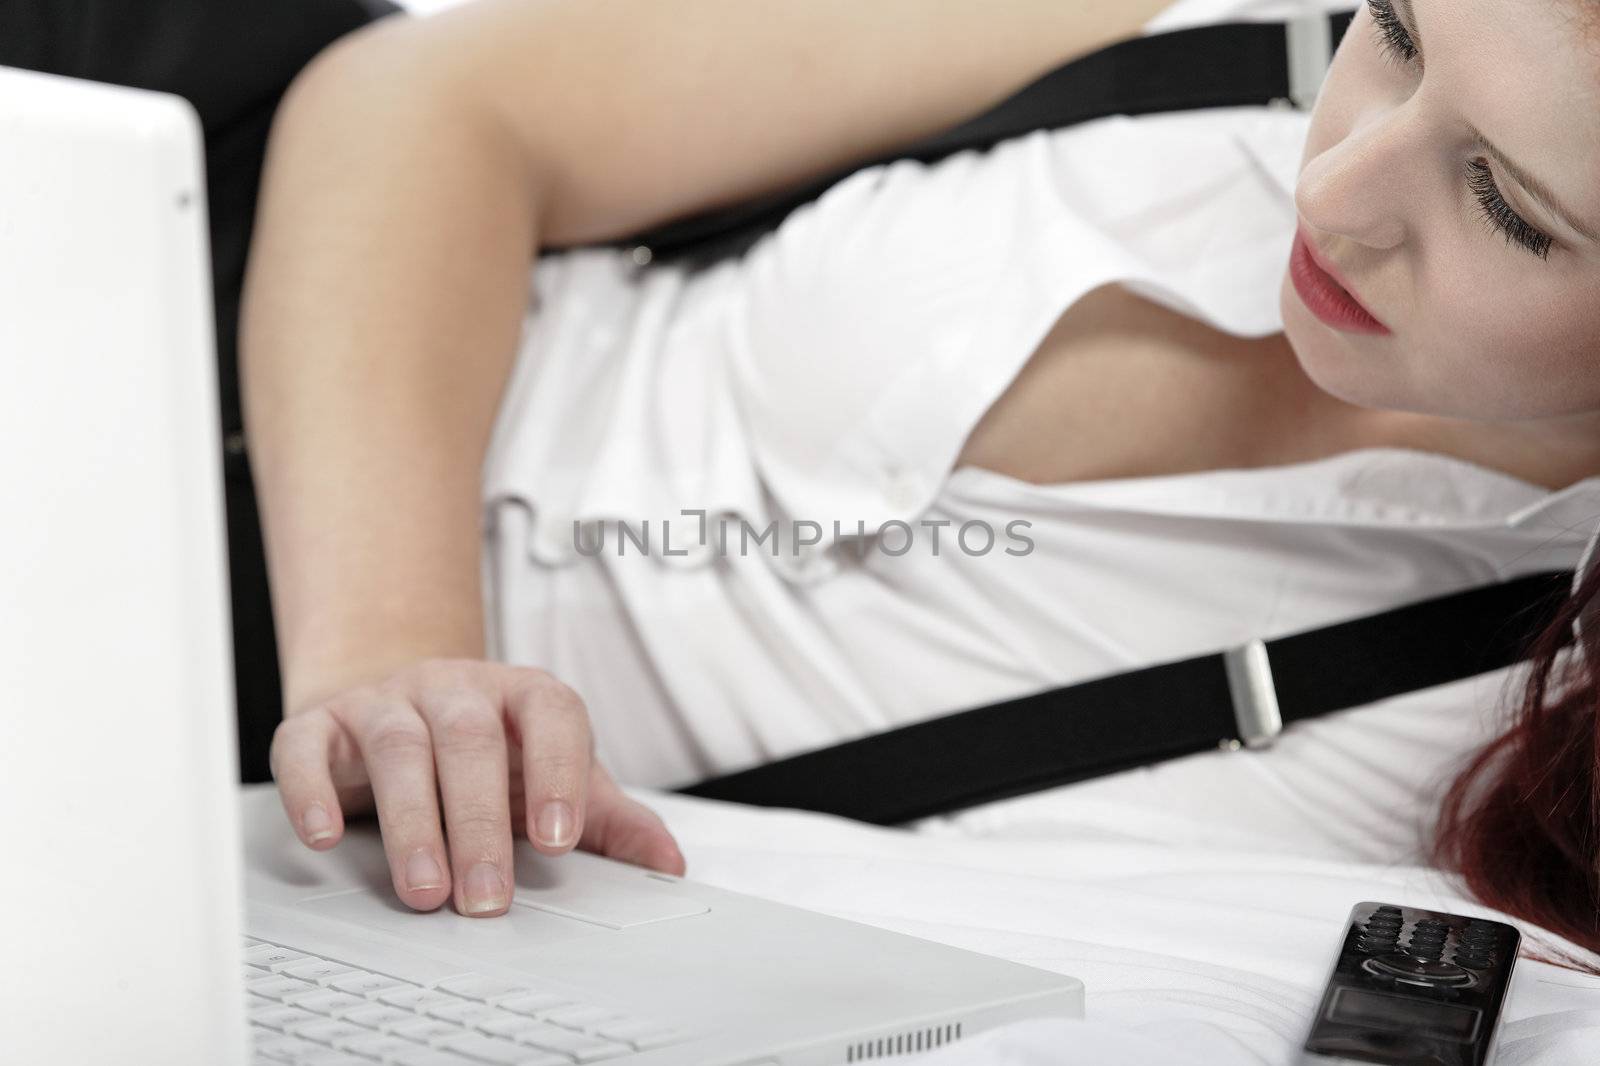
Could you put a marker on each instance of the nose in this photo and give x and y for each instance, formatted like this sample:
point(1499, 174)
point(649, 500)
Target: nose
point(1359, 188)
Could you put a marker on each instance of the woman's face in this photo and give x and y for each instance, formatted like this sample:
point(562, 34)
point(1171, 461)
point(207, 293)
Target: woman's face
point(1400, 197)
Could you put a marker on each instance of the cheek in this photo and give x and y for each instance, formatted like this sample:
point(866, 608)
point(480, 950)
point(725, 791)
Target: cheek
point(1358, 370)
point(1488, 341)
point(1507, 341)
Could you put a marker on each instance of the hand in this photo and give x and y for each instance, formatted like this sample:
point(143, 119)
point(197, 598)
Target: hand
point(512, 751)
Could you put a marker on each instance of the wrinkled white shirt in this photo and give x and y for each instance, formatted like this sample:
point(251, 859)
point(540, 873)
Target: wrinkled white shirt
point(833, 373)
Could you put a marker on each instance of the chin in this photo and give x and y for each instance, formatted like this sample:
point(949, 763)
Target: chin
point(1339, 370)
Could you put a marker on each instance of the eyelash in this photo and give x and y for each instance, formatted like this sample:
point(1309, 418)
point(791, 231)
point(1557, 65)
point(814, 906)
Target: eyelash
point(1492, 207)
point(1397, 43)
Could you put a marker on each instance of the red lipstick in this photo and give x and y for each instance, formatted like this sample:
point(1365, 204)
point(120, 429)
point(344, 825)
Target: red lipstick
point(1325, 293)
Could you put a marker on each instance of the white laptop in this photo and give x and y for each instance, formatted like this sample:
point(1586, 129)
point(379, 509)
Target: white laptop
point(132, 933)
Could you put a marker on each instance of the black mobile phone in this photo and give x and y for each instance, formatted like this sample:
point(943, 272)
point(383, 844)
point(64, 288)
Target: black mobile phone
point(1414, 987)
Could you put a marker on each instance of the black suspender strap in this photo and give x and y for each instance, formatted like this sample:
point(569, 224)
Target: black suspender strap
point(1237, 698)
point(1225, 65)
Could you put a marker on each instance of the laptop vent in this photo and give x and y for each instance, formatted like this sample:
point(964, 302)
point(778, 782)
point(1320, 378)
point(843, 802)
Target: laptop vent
point(904, 1043)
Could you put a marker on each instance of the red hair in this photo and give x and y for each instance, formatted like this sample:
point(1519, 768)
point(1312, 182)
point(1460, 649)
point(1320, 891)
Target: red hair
point(1521, 824)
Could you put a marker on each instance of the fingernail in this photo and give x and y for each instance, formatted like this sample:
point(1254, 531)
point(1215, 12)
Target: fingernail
point(553, 827)
point(316, 823)
point(484, 891)
point(422, 871)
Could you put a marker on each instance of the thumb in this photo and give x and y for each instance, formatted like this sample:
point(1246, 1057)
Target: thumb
point(619, 827)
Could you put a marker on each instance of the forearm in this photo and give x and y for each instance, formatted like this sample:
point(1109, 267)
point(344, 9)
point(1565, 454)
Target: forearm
point(385, 292)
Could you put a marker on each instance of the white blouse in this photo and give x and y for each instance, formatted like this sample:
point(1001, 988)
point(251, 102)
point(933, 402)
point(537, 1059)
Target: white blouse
point(829, 378)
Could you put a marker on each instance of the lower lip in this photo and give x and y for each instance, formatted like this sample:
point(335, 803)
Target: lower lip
point(1325, 297)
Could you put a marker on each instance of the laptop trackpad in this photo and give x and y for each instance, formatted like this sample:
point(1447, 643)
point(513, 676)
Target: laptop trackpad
point(478, 937)
point(598, 891)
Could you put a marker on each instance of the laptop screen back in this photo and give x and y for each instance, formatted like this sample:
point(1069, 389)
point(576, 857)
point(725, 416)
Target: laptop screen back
point(119, 906)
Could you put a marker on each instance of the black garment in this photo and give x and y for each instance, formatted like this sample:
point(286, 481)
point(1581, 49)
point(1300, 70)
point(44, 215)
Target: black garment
point(231, 59)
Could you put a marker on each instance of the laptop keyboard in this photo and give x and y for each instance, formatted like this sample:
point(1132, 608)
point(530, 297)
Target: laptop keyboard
point(309, 1010)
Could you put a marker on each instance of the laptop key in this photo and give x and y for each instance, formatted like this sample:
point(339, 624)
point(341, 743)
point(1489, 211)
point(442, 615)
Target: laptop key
point(422, 1030)
point(377, 1046)
point(540, 1057)
point(505, 1024)
point(601, 1049)
point(328, 1056)
point(642, 1033)
point(581, 1016)
point(434, 1057)
point(326, 1001)
point(276, 986)
point(365, 984)
point(376, 1015)
point(533, 1004)
point(415, 999)
point(279, 1048)
point(486, 1049)
point(580, 1046)
point(329, 1031)
point(269, 955)
point(476, 986)
point(282, 1019)
point(463, 1012)
point(319, 970)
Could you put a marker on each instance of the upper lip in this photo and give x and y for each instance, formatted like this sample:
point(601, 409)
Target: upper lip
point(1319, 257)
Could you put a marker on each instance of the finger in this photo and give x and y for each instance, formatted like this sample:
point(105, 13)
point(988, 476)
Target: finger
point(398, 752)
point(469, 750)
point(557, 750)
point(622, 828)
point(301, 750)
point(518, 798)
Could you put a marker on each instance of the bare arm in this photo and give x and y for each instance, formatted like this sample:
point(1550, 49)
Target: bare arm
point(415, 169)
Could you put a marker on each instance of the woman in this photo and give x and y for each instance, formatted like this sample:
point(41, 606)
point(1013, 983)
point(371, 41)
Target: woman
point(381, 329)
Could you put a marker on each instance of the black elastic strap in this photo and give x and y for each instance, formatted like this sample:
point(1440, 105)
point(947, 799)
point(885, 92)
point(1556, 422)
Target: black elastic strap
point(1127, 720)
point(1226, 65)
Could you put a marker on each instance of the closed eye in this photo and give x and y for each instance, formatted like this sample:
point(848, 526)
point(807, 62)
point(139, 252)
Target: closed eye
point(1500, 215)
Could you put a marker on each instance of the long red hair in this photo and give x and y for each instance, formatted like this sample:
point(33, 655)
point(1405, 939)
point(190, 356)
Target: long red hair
point(1521, 824)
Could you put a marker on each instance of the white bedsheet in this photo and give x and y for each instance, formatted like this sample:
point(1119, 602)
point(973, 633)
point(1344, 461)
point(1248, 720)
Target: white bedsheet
point(1200, 901)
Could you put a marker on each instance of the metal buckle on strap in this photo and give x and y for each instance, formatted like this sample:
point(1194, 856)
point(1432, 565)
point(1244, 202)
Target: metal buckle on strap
point(1310, 46)
point(1255, 700)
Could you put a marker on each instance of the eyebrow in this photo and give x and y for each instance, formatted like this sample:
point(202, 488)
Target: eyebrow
point(1535, 188)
